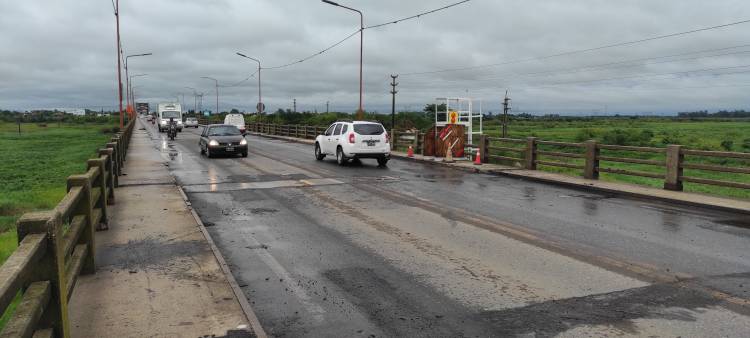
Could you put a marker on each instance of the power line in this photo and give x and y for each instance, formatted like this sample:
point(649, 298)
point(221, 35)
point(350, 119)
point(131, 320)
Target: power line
point(621, 64)
point(645, 76)
point(241, 81)
point(315, 54)
point(357, 31)
point(620, 44)
point(417, 15)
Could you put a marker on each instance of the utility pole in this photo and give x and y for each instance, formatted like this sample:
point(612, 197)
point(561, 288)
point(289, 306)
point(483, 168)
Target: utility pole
point(393, 100)
point(506, 108)
point(295, 105)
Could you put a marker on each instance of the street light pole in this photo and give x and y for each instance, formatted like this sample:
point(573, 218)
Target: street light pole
point(127, 78)
point(217, 90)
point(195, 99)
point(119, 70)
point(131, 97)
point(260, 100)
point(360, 111)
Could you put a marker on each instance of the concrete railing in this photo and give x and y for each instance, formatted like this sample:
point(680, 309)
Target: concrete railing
point(590, 157)
point(291, 130)
point(55, 246)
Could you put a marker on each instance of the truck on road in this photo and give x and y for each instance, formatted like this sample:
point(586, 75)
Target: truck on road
point(165, 111)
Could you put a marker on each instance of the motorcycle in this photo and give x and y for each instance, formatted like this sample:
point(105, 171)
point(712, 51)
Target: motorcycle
point(172, 131)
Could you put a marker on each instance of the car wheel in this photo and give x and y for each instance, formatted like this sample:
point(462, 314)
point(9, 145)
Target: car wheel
point(202, 151)
point(208, 152)
point(318, 155)
point(244, 154)
point(382, 161)
point(340, 157)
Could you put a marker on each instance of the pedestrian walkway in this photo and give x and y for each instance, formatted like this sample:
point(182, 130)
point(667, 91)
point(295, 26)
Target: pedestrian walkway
point(157, 275)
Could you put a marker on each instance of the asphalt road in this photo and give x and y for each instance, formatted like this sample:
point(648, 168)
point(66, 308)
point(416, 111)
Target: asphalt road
point(418, 249)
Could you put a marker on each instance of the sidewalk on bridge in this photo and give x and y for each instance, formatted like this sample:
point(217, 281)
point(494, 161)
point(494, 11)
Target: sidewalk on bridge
point(680, 197)
point(157, 275)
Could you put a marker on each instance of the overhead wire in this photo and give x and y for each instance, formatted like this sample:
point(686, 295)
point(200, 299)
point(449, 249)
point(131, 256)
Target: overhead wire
point(617, 64)
point(579, 51)
point(358, 30)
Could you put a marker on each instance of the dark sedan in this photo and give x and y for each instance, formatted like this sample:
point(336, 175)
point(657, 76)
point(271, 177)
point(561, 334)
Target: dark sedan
point(222, 139)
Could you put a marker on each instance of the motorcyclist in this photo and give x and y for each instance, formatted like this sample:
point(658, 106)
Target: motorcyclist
point(172, 128)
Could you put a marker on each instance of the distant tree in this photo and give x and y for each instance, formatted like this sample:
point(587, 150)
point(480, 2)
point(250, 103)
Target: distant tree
point(430, 107)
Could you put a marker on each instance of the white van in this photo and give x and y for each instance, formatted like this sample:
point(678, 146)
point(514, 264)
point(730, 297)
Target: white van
point(165, 111)
point(237, 120)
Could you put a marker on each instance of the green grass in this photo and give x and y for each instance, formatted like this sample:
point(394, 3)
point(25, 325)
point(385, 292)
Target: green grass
point(36, 163)
point(707, 134)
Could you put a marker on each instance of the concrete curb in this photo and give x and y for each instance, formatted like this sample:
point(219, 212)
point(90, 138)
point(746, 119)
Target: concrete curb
point(246, 308)
point(514, 173)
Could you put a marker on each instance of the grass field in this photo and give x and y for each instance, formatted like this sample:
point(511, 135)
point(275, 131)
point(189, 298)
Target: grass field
point(35, 164)
point(707, 134)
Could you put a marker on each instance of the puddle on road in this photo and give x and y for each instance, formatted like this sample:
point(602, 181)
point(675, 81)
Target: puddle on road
point(742, 223)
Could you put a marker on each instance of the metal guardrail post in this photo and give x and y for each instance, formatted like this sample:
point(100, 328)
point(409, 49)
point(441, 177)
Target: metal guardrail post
point(51, 267)
point(85, 207)
point(673, 178)
point(591, 167)
point(531, 155)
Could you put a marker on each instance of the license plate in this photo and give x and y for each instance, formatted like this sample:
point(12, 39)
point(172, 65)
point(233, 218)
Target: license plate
point(371, 143)
point(230, 148)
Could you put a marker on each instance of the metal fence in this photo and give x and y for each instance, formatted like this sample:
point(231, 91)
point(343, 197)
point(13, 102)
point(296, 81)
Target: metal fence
point(56, 246)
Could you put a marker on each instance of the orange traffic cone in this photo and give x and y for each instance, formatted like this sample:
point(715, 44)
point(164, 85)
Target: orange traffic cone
point(410, 152)
point(478, 159)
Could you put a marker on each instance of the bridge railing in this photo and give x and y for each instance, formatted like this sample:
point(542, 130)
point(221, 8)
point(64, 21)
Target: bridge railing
point(401, 140)
point(590, 158)
point(56, 246)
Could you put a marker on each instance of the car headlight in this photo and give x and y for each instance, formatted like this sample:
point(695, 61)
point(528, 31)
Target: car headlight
point(213, 143)
point(243, 142)
point(163, 122)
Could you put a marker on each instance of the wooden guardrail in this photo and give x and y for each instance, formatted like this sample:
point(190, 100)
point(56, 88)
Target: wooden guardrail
point(55, 246)
point(590, 157)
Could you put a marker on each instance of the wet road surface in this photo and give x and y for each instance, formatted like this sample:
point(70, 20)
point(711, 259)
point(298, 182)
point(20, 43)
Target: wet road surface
point(417, 249)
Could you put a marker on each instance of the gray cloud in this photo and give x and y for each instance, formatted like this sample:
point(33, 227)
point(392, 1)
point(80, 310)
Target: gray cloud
point(62, 53)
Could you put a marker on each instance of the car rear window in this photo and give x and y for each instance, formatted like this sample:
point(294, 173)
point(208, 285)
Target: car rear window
point(223, 131)
point(368, 129)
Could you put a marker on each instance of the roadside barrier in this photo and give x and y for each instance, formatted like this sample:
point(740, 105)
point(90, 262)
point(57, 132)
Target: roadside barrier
point(590, 158)
point(55, 246)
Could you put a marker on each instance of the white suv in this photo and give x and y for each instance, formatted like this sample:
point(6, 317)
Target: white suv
point(354, 140)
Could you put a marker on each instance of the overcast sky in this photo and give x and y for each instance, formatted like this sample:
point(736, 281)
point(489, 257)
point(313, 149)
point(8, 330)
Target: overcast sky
point(62, 53)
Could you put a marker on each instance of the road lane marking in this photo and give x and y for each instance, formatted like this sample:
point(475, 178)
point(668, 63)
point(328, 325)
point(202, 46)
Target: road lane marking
point(222, 187)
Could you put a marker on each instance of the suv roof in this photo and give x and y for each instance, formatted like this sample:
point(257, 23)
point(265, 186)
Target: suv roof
point(348, 121)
